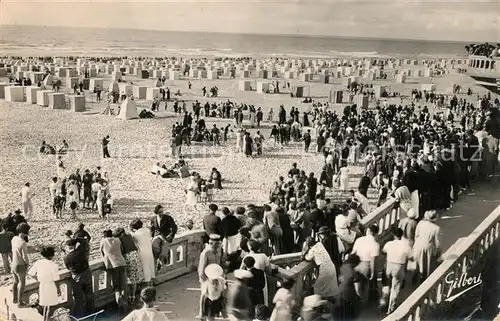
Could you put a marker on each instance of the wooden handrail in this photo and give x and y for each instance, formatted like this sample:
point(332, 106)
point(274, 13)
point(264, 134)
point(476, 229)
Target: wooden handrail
point(375, 215)
point(458, 257)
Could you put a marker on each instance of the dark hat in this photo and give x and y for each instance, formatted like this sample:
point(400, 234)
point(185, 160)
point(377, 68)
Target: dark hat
point(158, 208)
point(262, 312)
point(18, 211)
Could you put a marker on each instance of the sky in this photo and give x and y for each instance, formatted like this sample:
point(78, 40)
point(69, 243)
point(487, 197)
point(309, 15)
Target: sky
point(466, 20)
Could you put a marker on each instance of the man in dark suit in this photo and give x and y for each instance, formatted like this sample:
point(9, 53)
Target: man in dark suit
point(364, 184)
point(163, 230)
point(211, 223)
point(105, 143)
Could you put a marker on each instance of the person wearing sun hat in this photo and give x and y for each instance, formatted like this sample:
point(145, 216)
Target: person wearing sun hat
point(212, 292)
point(408, 224)
point(313, 308)
point(211, 254)
point(427, 247)
point(239, 304)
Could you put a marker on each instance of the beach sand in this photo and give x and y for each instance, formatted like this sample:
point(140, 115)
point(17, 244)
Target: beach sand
point(136, 145)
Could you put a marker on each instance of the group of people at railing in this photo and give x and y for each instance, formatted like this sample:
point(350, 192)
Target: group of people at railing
point(484, 49)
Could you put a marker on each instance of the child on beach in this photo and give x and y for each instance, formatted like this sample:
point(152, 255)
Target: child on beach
point(210, 192)
point(73, 203)
point(108, 207)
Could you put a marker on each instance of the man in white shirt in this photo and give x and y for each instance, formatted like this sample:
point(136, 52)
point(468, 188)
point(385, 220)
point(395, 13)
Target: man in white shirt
point(367, 248)
point(96, 187)
point(26, 196)
point(398, 253)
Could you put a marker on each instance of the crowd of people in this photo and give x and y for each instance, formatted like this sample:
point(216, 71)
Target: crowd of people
point(424, 160)
point(484, 49)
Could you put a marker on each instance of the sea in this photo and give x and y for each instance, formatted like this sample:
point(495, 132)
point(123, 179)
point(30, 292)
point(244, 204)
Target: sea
point(18, 40)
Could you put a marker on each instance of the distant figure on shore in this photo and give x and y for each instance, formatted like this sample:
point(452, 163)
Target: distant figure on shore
point(105, 143)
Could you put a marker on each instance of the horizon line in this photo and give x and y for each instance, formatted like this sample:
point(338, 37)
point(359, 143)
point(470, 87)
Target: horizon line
point(303, 35)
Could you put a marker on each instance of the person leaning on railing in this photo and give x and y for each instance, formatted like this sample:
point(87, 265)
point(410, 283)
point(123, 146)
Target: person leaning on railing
point(163, 230)
point(77, 263)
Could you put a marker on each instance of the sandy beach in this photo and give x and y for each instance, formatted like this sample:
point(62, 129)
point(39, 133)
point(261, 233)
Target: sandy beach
point(136, 145)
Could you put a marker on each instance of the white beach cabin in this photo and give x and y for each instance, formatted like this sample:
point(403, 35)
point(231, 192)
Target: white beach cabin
point(128, 110)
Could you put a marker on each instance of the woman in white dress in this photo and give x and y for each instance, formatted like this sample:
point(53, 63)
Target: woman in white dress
point(252, 118)
point(142, 238)
point(270, 115)
point(47, 273)
point(108, 182)
point(191, 190)
point(239, 141)
point(427, 247)
point(344, 178)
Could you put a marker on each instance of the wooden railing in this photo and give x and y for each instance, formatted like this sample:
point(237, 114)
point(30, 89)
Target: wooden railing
point(184, 255)
point(385, 216)
point(459, 259)
point(304, 274)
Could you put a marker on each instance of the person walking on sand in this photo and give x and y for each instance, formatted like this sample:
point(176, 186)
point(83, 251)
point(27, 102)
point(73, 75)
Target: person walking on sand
point(105, 143)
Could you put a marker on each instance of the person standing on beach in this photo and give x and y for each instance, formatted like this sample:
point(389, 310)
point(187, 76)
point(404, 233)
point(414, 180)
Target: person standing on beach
point(87, 181)
point(105, 143)
point(260, 116)
point(248, 141)
point(307, 140)
point(20, 262)
point(26, 195)
point(259, 141)
point(98, 93)
point(6, 237)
